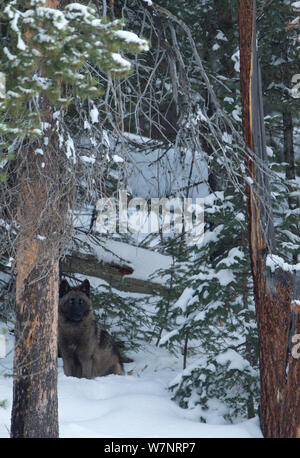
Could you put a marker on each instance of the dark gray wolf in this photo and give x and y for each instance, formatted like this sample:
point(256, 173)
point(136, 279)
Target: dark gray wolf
point(86, 348)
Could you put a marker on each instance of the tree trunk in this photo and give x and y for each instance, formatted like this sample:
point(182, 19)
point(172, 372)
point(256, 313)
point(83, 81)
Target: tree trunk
point(35, 405)
point(289, 155)
point(276, 314)
point(34, 412)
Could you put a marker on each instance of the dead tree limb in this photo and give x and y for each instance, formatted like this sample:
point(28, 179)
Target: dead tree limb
point(116, 275)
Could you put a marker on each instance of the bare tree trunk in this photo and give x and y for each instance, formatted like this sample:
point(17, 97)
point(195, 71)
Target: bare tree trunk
point(35, 405)
point(34, 412)
point(289, 154)
point(276, 314)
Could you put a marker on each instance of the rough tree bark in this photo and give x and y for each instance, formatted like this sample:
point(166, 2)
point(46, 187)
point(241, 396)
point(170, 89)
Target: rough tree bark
point(35, 407)
point(277, 311)
point(289, 155)
point(34, 412)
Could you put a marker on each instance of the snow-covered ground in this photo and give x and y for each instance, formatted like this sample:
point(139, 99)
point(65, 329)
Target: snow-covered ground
point(131, 406)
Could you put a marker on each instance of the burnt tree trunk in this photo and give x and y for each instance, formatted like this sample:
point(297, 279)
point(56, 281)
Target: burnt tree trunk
point(277, 314)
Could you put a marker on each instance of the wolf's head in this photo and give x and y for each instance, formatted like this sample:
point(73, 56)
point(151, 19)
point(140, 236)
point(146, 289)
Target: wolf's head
point(74, 303)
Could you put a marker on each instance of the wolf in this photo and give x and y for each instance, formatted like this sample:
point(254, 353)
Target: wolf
point(86, 348)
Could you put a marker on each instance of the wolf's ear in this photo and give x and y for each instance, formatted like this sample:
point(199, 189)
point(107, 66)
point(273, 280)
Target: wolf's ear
point(64, 288)
point(85, 287)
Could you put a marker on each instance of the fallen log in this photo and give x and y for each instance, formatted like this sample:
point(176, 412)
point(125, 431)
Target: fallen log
point(120, 277)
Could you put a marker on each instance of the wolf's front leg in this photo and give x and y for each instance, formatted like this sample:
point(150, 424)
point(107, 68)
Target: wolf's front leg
point(87, 367)
point(72, 367)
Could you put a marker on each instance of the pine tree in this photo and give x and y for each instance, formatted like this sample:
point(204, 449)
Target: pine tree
point(214, 320)
point(43, 61)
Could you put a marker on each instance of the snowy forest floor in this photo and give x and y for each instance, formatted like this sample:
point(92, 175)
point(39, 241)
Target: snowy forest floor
point(133, 406)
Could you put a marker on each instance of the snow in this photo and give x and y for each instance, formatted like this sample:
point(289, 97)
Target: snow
point(236, 59)
point(14, 25)
point(273, 261)
point(70, 149)
point(225, 276)
point(227, 138)
point(158, 173)
point(232, 255)
point(235, 360)
point(41, 237)
point(184, 299)
point(137, 138)
point(130, 37)
point(105, 139)
point(39, 151)
point(2, 85)
point(88, 159)
point(78, 10)
point(144, 262)
point(8, 54)
point(220, 36)
point(120, 61)
point(236, 113)
point(240, 217)
point(86, 125)
point(130, 406)
point(2, 346)
point(117, 158)
point(249, 180)
point(94, 114)
point(59, 22)
point(278, 61)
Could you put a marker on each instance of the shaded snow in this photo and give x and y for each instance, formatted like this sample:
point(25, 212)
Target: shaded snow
point(131, 406)
point(159, 173)
point(273, 261)
point(235, 360)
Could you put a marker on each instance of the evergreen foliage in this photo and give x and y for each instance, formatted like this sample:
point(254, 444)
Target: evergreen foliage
point(214, 319)
point(126, 317)
point(44, 55)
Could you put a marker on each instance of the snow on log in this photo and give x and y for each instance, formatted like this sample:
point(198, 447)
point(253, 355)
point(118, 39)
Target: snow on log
point(123, 266)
